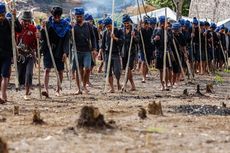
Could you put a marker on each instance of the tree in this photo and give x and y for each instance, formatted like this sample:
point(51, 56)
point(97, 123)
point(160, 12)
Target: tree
point(182, 8)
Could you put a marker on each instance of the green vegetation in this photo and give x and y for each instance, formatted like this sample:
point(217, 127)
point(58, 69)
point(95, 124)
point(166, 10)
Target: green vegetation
point(170, 4)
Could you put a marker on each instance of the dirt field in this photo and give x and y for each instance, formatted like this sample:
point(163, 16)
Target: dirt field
point(173, 132)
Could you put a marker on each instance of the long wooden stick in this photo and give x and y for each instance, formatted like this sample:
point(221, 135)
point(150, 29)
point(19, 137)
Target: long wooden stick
point(206, 51)
point(76, 55)
point(192, 52)
point(222, 49)
point(178, 57)
point(110, 50)
point(14, 46)
point(200, 50)
point(213, 54)
point(127, 65)
point(39, 67)
point(52, 57)
point(142, 39)
point(165, 47)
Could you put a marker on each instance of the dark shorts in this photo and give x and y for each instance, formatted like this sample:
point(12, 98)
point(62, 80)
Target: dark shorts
point(176, 67)
point(197, 53)
point(160, 61)
point(131, 62)
point(149, 56)
point(48, 64)
point(115, 67)
point(25, 71)
point(84, 60)
point(5, 64)
point(219, 55)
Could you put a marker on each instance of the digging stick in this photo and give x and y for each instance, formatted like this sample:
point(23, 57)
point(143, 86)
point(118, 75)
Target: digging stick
point(76, 55)
point(165, 47)
point(142, 39)
point(52, 57)
point(206, 51)
point(127, 65)
point(110, 49)
point(213, 53)
point(222, 49)
point(14, 46)
point(178, 57)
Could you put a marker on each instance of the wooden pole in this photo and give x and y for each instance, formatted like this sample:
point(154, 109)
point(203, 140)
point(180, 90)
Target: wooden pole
point(39, 67)
point(178, 57)
point(206, 50)
point(165, 47)
point(110, 50)
point(14, 46)
point(142, 39)
point(76, 55)
point(52, 57)
point(213, 54)
point(127, 65)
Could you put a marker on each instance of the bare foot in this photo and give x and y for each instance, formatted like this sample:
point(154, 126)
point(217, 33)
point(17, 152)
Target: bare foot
point(133, 89)
point(111, 91)
point(78, 92)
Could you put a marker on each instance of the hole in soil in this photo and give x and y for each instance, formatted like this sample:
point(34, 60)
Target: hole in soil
point(90, 117)
point(142, 113)
point(202, 110)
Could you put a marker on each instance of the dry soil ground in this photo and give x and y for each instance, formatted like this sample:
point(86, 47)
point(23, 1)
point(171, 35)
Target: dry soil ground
point(173, 132)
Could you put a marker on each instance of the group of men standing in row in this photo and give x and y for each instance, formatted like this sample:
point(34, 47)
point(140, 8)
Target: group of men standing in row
point(191, 47)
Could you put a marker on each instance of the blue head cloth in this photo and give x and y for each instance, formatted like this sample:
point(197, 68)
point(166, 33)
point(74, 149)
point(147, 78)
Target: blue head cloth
point(217, 29)
point(153, 20)
point(107, 21)
point(126, 18)
point(2, 8)
point(195, 21)
point(206, 23)
point(115, 23)
point(38, 27)
point(213, 25)
point(8, 16)
point(182, 22)
point(201, 23)
point(67, 19)
point(101, 21)
point(187, 23)
point(61, 28)
point(79, 11)
point(222, 27)
point(176, 26)
point(161, 19)
point(88, 17)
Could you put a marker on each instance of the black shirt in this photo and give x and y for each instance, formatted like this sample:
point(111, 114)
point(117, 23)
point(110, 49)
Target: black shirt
point(6, 38)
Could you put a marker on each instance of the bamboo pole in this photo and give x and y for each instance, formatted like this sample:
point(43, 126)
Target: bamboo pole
point(206, 51)
point(213, 53)
point(165, 47)
point(178, 57)
point(14, 45)
point(110, 50)
point(128, 62)
point(76, 55)
point(52, 57)
point(39, 67)
point(142, 39)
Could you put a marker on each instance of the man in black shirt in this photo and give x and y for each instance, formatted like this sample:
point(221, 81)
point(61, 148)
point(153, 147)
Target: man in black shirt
point(128, 32)
point(6, 52)
point(86, 47)
point(115, 67)
point(148, 46)
point(58, 31)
